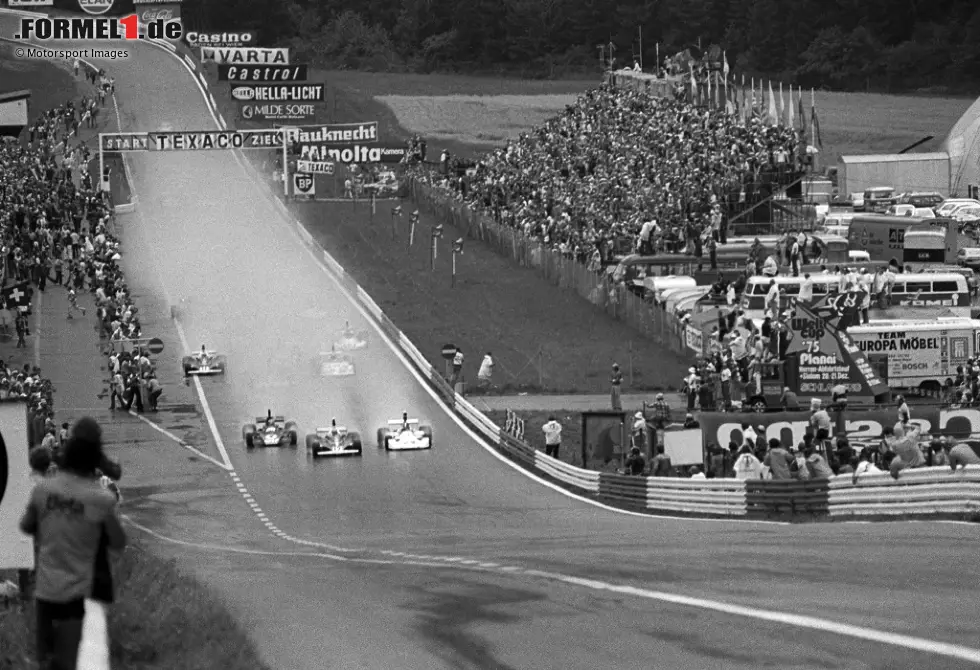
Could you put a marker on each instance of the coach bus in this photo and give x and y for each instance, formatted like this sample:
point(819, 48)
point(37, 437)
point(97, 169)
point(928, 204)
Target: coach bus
point(919, 356)
point(921, 295)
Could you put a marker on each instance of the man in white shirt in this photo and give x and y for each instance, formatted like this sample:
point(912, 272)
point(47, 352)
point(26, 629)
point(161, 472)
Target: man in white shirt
point(772, 297)
point(485, 375)
point(552, 437)
point(806, 289)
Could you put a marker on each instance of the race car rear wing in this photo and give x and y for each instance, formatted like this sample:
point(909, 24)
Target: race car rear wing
point(326, 430)
point(398, 422)
point(276, 419)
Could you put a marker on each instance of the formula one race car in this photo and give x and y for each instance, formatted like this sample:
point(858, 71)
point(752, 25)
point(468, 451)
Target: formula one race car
point(333, 441)
point(334, 364)
point(204, 363)
point(270, 431)
point(350, 339)
point(405, 435)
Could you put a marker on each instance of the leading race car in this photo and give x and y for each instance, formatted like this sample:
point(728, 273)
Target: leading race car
point(204, 363)
point(350, 339)
point(334, 364)
point(270, 431)
point(405, 435)
point(334, 441)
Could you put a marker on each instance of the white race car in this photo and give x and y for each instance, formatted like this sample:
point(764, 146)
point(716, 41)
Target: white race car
point(405, 435)
point(334, 364)
point(350, 339)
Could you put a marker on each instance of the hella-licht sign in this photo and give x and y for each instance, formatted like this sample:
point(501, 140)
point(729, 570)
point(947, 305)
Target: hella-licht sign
point(278, 92)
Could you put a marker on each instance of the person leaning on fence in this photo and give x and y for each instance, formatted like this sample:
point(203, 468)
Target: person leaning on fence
point(69, 514)
point(552, 437)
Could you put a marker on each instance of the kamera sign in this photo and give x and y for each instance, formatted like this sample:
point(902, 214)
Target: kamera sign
point(196, 40)
point(278, 112)
point(278, 92)
point(17, 549)
point(245, 55)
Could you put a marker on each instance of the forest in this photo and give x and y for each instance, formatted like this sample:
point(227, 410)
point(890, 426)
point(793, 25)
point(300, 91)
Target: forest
point(876, 45)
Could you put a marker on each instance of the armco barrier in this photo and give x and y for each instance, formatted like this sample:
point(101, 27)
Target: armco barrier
point(768, 498)
point(919, 492)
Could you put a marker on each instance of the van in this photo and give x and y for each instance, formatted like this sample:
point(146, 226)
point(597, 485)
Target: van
point(879, 198)
point(655, 286)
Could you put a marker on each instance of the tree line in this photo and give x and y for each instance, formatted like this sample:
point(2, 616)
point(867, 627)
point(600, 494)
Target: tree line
point(878, 45)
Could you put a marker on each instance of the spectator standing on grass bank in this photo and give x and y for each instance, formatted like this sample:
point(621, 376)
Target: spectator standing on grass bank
point(485, 375)
point(552, 437)
point(70, 514)
point(458, 359)
point(616, 382)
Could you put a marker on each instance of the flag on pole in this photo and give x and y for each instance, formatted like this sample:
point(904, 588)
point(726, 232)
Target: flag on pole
point(694, 85)
point(773, 114)
point(782, 104)
point(17, 297)
point(790, 111)
point(724, 68)
point(717, 91)
point(817, 141)
point(374, 201)
point(800, 109)
point(708, 96)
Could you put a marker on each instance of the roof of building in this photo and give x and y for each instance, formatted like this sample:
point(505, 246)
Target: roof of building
point(15, 95)
point(896, 158)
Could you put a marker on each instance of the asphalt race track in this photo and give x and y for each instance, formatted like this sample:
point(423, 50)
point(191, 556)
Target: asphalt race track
point(205, 237)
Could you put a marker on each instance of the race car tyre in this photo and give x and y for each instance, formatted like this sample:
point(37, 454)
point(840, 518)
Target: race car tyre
point(381, 438)
point(357, 447)
point(248, 432)
point(310, 442)
point(426, 430)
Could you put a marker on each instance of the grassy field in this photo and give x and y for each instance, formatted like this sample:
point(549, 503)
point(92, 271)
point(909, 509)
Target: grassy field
point(162, 619)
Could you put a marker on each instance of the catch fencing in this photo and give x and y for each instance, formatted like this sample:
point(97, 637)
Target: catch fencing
point(561, 270)
point(930, 492)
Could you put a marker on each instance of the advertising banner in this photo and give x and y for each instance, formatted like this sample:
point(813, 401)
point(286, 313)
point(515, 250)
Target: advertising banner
point(313, 167)
point(826, 354)
point(277, 112)
point(861, 426)
point(604, 435)
point(262, 73)
point(352, 154)
point(21, 4)
point(278, 92)
point(334, 134)
point(17, 549)
point(207, 140)
point(304, 186)
point(694, 338)
point(196, 40)
point(245, 56)
point(155, 2)
point(164, 11)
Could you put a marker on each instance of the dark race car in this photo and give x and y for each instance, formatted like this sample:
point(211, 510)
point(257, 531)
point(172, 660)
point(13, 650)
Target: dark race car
point(204, 364)
point(333, 441)
point(270, 431)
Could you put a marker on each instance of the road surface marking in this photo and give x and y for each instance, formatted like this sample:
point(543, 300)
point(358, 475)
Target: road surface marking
point(167, 433)
point(911, 643)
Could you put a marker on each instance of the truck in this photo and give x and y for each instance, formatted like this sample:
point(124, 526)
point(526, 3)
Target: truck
point(905, 238)
point(918, 356)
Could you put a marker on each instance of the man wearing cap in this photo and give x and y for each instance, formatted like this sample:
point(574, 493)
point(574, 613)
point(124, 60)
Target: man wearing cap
point(691, 386)
point(552, 437)
point(661, 412)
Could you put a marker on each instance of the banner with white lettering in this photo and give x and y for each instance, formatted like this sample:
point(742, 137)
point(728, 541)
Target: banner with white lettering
point(20, 4)
point(290, 92)
point(162, 11)
point(304, 186)
point(352, 154)
point(245, 55)
point(17, 549)
point(315, 167)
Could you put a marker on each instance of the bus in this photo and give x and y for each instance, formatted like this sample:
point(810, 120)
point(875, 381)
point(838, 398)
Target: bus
point(918, 355)
point(884, 238)
point(917, 295)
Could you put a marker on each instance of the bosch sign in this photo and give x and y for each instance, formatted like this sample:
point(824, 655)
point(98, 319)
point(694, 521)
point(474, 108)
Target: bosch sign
point(195, 40)
point(95, 7)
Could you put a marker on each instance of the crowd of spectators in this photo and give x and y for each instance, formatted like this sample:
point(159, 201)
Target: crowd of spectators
point(620, 160)
point(55, 226)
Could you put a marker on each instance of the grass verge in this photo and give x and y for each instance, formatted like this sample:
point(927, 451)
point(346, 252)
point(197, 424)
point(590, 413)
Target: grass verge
point(162, 620)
